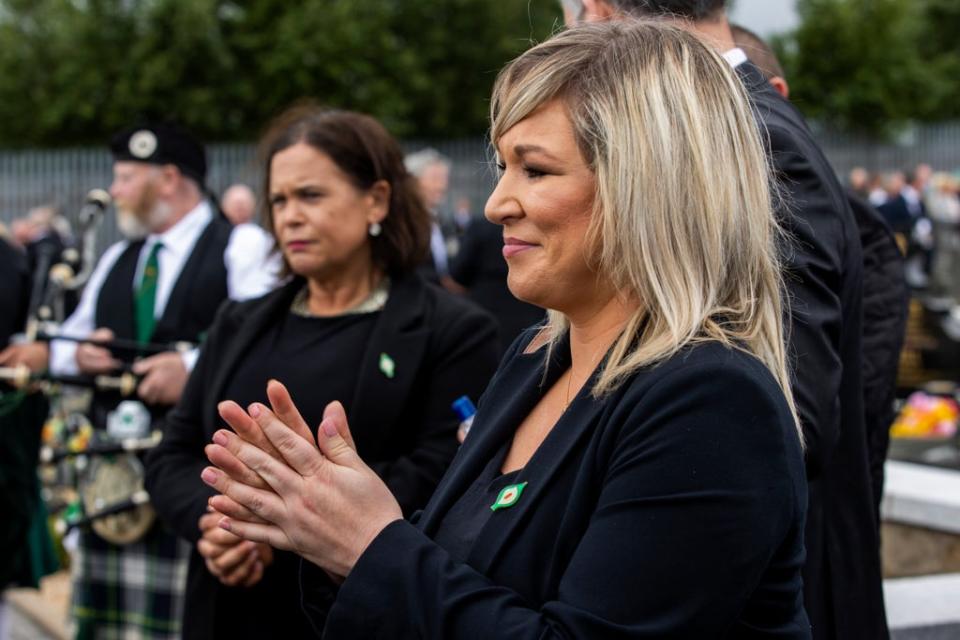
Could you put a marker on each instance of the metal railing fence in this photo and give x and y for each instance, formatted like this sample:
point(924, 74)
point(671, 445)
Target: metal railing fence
point(62, 177)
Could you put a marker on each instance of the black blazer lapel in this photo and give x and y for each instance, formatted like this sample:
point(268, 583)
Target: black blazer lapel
point(571, 431)
point(509, 398)
point(389, 364)
point(505, 404)
point(252, 327)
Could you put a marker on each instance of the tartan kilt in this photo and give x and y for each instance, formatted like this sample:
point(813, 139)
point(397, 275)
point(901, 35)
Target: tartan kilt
point(132, 591)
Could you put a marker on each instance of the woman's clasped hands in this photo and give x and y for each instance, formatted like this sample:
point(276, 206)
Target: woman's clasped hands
point(282, 487)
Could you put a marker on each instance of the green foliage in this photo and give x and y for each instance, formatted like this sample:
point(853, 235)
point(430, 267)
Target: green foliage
point(870, 66)
point(72, 71)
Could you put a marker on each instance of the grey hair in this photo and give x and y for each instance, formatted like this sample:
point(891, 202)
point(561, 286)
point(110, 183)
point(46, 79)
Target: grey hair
point(418, 161)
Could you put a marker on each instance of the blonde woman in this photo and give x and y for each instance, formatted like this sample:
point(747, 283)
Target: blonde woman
point(635, 468)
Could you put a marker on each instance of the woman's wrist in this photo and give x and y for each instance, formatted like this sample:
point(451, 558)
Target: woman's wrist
point(364, 542)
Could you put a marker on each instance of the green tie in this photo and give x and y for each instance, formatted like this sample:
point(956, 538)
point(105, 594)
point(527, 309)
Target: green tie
point(146, 296)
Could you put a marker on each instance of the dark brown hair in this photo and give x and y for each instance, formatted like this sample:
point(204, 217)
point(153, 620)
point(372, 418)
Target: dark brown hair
point(363, 149)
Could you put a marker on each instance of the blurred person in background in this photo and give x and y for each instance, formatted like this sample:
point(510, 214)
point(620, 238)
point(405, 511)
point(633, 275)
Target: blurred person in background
point(858, 181)
point(943, 208)
point(894, 207)
point(45, 234)
point(432, 171)
point(161, 285)
point(50, 235)
point(885, 292)
point(878, 194)
point(23, 526)
point(355, 323)
point(915, 189)
point(824, 274)
point(239, 204)
point(462, 215)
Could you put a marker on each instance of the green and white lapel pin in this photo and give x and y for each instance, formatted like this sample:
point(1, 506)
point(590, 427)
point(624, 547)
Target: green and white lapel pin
point(508, 496)
point(387, 366)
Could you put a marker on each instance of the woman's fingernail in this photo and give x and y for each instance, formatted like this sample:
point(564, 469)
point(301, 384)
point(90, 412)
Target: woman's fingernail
point(329, 428)
point(255, 410)
point(209, 476)
point(225, 524)
point(220, 438)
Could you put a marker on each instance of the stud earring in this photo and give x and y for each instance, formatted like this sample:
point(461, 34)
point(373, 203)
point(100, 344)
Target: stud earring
point(375, 229)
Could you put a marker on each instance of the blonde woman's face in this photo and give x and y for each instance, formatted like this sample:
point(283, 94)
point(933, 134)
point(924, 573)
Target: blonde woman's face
point(544, 201)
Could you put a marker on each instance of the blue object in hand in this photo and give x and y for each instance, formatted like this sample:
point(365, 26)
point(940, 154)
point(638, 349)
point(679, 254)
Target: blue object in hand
point(465, 410)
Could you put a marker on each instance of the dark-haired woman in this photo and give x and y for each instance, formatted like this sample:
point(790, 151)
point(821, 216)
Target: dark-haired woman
point(353, 322)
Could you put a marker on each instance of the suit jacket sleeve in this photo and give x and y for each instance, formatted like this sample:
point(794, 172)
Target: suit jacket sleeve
point(461, 361)
point(173, 467)
point(815, 264)
point(466, 265)
point(698, 494)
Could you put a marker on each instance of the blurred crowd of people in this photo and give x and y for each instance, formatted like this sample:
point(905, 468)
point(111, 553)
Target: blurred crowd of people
point(922, 205)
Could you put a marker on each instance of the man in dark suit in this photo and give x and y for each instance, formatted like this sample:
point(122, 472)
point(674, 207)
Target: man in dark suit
point(843, 586)
point(896, 210)
point(885, 293)
point(21, 417)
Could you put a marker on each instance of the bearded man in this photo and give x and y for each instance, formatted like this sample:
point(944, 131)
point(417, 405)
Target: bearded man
point(159, 286)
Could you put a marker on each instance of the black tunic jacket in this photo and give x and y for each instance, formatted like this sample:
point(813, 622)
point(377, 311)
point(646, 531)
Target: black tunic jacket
point(842, 581)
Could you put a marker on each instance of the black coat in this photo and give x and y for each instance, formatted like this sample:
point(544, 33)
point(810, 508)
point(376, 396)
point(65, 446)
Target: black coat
point(404, 427)
point(20, 427)
point(842, 579)
point(672, 508)
point(885, 304)
point(15, 283)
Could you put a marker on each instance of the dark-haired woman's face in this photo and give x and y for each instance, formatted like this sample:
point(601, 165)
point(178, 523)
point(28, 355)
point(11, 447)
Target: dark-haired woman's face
point(320, 218)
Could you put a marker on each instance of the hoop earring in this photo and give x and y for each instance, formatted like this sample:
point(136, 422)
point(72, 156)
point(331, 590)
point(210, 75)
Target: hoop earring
point(375, 229)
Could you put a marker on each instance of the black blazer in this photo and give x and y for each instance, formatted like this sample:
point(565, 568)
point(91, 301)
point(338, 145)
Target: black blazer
point(15, 285)
point(843, 585)
point(886, 300)
point(404, 427)
point(19, 433)
point(671, 509)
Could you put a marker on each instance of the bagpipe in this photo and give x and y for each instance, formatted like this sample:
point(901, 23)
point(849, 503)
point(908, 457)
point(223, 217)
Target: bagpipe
point(52, 280)
point(123, 381)
point(94, 475)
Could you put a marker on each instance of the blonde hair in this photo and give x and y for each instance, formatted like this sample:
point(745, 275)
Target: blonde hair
point(683, 215)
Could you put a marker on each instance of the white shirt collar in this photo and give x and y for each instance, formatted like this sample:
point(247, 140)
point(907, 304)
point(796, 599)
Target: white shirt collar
point(180, 238)
point(735, 57)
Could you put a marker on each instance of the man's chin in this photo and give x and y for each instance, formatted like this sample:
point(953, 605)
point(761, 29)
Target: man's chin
point(130, 226)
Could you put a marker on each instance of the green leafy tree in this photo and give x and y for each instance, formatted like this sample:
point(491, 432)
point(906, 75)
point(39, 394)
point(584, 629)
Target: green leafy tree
point(870, 66)
point(72, 71)
point(940, 47)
